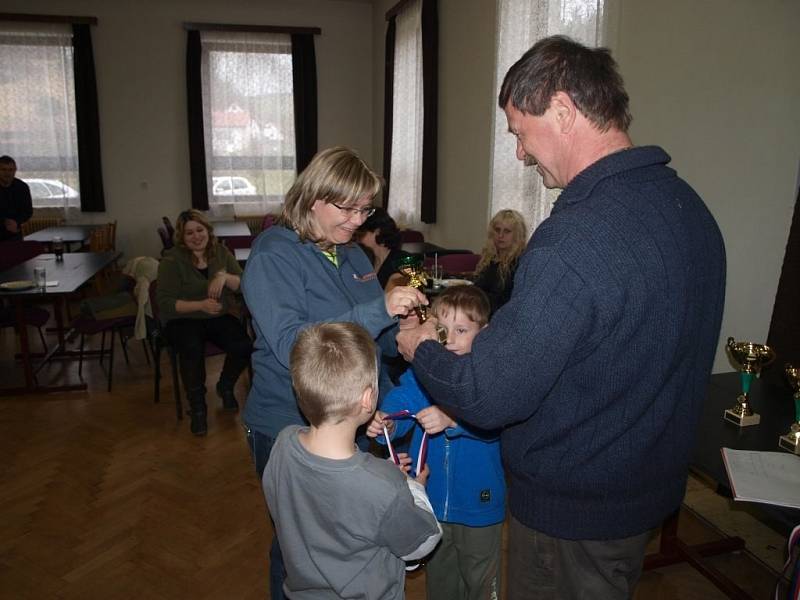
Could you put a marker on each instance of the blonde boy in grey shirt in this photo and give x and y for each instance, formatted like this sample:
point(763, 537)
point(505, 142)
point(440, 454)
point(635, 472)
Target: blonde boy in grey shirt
point(346, 521)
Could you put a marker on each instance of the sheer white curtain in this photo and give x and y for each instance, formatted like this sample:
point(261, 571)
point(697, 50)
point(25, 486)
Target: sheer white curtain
point(405, 174)
point(521, 23)
point(248, 120)
point(37, 110)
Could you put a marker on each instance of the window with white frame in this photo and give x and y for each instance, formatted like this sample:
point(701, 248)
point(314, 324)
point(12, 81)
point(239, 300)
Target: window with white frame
point(248, 119)
point(37, 110)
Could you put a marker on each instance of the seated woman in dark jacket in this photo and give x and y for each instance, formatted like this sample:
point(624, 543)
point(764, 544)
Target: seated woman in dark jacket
point(196, 281)
point(506, 239)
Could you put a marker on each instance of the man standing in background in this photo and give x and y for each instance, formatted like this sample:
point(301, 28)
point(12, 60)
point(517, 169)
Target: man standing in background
point(16, 206)
point(598, 365)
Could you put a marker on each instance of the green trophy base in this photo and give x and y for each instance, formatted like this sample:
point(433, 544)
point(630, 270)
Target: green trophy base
point(742, 420)
point(790, 442)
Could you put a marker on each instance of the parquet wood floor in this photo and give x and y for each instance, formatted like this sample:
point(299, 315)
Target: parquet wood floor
point(104, 495)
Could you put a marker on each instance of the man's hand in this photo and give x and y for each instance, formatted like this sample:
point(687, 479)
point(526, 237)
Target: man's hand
point(433, 420)
point(409, 339)
point(12, 225)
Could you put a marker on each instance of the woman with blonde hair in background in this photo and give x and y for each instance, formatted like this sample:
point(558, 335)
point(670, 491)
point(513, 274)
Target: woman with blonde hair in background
point(506, 239)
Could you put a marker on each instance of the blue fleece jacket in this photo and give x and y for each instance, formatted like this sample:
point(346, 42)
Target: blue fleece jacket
point(289, 285)
point(598, 365)
point(466, 483)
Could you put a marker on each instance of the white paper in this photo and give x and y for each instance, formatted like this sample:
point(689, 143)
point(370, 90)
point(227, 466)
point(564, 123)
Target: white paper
point(53, 283)
point(769, 477)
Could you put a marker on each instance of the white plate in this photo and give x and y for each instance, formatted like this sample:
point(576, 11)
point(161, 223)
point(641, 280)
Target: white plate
point(453, 282)
point(23, 284)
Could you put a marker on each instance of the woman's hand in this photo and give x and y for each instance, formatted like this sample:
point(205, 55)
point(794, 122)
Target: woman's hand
point(211, 306)
point(375, 427)
point(401, 300)
point(217, 284)
point(433, 420)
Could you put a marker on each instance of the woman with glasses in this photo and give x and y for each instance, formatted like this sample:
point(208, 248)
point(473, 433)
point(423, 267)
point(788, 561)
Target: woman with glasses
point(196, 282)
point(304, 270)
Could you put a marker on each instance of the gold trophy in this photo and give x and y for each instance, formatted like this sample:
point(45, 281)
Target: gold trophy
point(791, 441)
point(751, 358)
point(411, 267)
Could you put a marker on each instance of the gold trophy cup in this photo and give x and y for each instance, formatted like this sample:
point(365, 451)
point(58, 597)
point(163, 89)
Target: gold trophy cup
point(411, 267)
point(791, 441)
point(751, 358)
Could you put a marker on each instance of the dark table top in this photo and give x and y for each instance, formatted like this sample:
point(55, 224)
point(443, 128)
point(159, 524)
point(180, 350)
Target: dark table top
point(224, 229)
point(775, 405)
point(68, 233)
point(75, 270)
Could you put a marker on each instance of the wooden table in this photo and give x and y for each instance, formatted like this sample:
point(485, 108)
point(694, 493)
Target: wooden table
point(224, 229)
point(70, 234)
point(776, 407)
point(71, 273)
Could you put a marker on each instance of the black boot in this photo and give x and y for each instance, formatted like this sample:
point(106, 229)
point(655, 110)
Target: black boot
point(197, 412)
point(225, 392)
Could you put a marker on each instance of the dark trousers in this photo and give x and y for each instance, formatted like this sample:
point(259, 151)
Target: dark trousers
point(547, 568)
point(189, 337)
point(260, 448)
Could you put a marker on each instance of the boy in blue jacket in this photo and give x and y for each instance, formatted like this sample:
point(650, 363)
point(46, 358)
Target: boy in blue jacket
point(466, 485)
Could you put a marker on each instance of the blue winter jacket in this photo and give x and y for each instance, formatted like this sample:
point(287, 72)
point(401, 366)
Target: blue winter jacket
point(466, 484)
point(289, 285)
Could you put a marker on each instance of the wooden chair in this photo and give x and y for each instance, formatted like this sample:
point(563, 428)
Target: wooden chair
point(103, 238)
point(37, 223)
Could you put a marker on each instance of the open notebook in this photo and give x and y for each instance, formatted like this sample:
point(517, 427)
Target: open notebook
point(768, 477)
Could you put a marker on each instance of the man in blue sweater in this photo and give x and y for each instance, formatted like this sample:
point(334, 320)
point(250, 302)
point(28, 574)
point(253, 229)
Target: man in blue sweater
point(597, 367)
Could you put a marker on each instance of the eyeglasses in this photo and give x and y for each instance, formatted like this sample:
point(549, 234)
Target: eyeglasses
point(351, 211)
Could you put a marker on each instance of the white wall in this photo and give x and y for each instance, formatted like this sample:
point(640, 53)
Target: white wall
point(716, 84)
point(140, 50)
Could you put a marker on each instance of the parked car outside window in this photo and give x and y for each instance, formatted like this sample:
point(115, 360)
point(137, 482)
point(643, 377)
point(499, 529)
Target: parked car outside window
point(233, 185)
point(50, 192)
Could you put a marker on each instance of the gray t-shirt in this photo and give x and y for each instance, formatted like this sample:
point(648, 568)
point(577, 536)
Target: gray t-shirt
point(345, 526)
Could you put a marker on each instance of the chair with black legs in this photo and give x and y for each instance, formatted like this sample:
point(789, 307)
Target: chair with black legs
point(117, 323)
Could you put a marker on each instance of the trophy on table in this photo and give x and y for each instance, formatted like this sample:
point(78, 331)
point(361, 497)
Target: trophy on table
point(411, 267)
point(791, 441)
point(751, 358)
